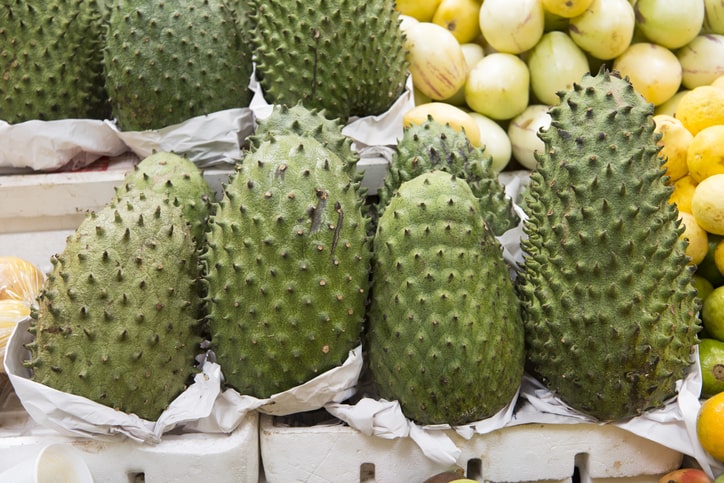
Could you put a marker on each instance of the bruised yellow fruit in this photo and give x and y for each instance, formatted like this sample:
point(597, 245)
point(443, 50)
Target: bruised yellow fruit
point(705, 155)
point(436, 60)
point(700, 108)
point(675, 139)
point(444, 113)
point(707, 204)
point(422, 10)
point(683, 191)
point(696, 237)
point(460, 17)
point(566, 8)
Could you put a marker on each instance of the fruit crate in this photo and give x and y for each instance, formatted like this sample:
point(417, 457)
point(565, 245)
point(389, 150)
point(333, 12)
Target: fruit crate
point(187, 457)
point(582, 452)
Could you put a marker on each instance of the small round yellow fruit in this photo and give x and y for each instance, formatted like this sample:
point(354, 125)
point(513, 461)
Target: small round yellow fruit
point(696, 237)
point(707, 204)
point(460, 17)
point(700, 108)
point(653, 70)
point(674, 142)
point(566, 8)
point(422, 10)
point(705, 155)
point(683, 191)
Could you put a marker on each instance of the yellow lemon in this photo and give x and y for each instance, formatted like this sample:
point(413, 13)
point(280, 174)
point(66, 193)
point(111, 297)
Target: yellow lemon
point(719, 256)
point(697, 242)
point(566, 8)
point(675, 139)
point(461, 17)
point(710, 426)
point(700, 108)
point(707, 204)
point(683, 191)
point(705, 155)
point(422, 10)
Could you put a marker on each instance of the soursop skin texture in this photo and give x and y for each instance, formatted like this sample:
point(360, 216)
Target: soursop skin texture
point(345, 57)
point(608, 305)
point(287, 267)
point(51, 60)
point(179, 178)
point(170, 60)
point(436, 146)
point(117, 318)
point(445, 337)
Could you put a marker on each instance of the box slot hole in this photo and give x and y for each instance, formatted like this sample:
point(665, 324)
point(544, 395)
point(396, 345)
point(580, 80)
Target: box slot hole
point(136, 477)
point(580, 470)
point(474, 469)
point(367, 472)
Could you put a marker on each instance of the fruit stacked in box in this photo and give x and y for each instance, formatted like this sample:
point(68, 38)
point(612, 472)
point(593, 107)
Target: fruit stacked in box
point(295, 265)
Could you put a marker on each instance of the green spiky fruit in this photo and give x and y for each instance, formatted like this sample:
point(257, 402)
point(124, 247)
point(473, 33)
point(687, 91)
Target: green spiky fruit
point(608, 304)
point(117, 317)
point(179, 178)
point(345, 57)
point(308, 122)
point(436, 146)
point(171, 60)
point(287, 267)
point(51, 60)
point(445, 335)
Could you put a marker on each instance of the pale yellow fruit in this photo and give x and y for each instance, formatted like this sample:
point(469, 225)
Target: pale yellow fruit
point(669, 107)
point(669, 23)
point(496, 141)
point(460, 17)
point(555, 64)
point(702, 60)
point(422, 10)
point(701, 107)
point(523, 133)
point(444, 114)
point(653, 70)
point(683, 192)
point(498, 86)
point(696, 237)
point(707, 204)
point(605, 29)
point(705, 156)
point(566, 8)
point(718, 82)
point(473, 53)
point(675, 140)
point(436, 60)
point(512, 26)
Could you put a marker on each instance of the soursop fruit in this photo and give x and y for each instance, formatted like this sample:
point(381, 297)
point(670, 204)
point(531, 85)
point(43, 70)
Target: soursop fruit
point(608, 304)
point(171, 60)
point(287, 267)
point(445, 335)
point(436, 146)
point(51, 60)
point(179, 178)
point(345, 57)
point(117, 319)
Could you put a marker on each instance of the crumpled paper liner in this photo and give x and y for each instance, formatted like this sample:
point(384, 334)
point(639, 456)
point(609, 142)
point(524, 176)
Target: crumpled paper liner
point(203, 407)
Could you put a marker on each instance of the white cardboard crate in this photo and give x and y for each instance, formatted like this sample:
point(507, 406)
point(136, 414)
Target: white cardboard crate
point(178, 458)
point(530, 452)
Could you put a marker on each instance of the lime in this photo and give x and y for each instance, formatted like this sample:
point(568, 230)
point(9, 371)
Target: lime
point(703, 286)
point(712, 313)
point(711, 358)
point(707, 268)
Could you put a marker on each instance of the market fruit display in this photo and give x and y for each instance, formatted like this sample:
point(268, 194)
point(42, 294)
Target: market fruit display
point(346, 57)
point(287, 266)
point(165, 62)
point(434, 146)
point(598, 215)
point(117, 319)
point(445, 338)
point(44, 78)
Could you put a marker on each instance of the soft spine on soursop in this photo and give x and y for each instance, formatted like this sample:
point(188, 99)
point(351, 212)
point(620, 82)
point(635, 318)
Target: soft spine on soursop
point(287, 267)
point(436, 146)
point(445, 337)
point(117, 319)
point(51, 60)
point(179, 178)
point(168, 61)
point(345, 57)
point(607, 300)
